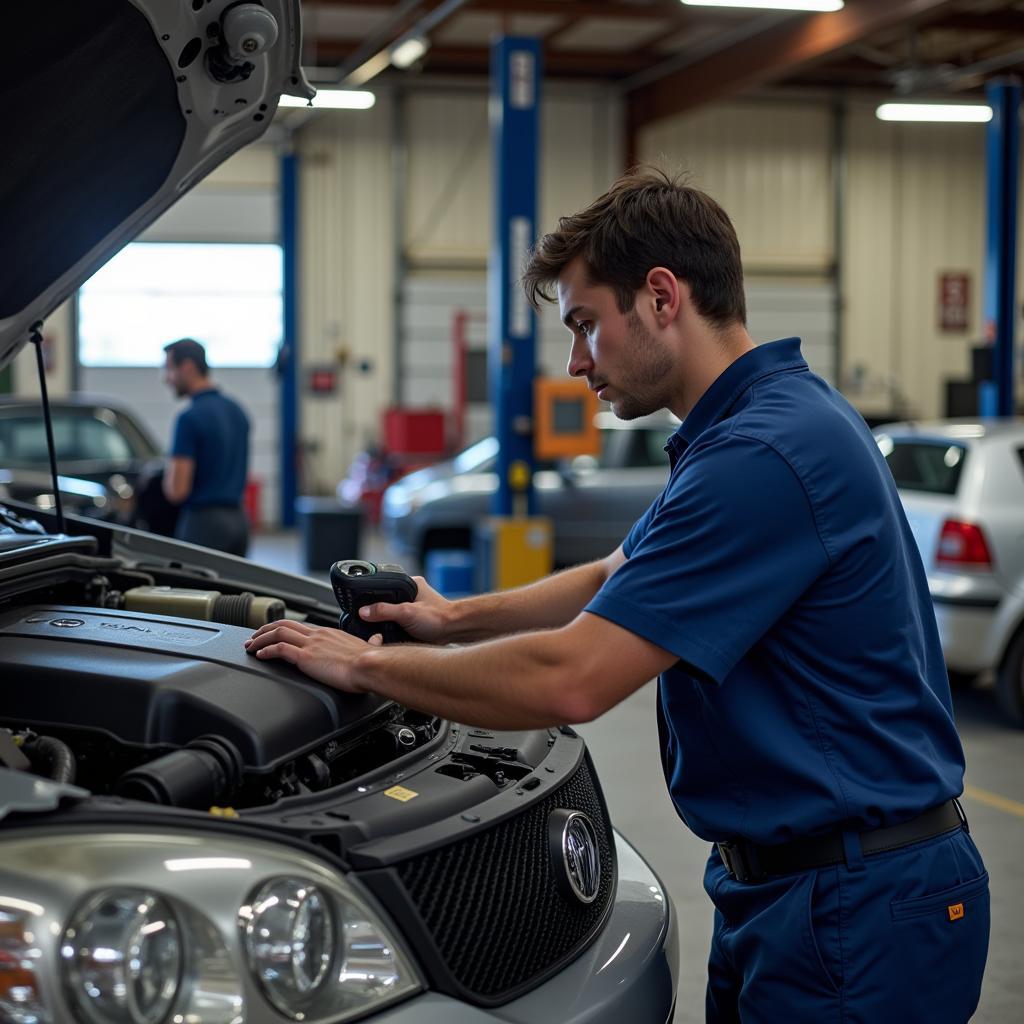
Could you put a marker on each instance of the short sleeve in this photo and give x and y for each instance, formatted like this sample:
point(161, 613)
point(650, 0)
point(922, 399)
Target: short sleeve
point(185, 441)
point(731, 546)
point(639, 529)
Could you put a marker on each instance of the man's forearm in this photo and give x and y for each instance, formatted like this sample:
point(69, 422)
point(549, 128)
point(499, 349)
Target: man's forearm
point(551, 602)
point(509, 683)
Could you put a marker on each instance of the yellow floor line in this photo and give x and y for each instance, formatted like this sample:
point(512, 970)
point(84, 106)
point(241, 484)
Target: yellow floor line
point(1002, 803)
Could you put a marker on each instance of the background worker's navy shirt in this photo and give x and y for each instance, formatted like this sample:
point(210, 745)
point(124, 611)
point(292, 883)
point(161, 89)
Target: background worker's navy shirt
point(778, 565)
point(214, 431)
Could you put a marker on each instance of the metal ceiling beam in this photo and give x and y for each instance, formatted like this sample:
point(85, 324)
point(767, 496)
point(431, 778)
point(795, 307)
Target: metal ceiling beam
point(778, 52)
point(659, 9)
point(972, 21)
point(441, 59)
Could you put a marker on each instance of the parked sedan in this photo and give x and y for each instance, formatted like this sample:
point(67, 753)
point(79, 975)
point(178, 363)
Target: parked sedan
point(962, 485)
point(102, 451)
point(592, 501)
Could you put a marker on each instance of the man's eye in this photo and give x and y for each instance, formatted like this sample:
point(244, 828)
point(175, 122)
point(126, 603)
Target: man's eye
point(583, 326)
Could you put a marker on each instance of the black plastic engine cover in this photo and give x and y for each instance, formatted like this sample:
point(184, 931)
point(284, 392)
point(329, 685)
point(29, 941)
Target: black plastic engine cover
point(157, 681)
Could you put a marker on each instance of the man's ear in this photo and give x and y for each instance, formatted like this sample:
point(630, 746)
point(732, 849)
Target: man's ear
point(666, 294)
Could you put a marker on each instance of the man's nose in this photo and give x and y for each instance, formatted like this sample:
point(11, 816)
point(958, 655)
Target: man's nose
point(580, 362)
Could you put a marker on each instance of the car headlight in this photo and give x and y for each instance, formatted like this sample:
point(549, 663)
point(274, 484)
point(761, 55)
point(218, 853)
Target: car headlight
point(144, 928)
point(123, 958)
point(289, 939)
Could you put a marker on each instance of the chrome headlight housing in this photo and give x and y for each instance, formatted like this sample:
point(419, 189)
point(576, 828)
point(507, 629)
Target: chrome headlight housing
point(148, 928)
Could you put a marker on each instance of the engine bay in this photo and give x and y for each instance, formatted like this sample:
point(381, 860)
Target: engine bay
point(105, 683)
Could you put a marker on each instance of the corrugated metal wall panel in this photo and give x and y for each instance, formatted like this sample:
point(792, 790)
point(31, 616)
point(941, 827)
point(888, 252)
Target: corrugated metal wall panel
point(915, 209)
point(448, 196)
point(448, 223)
point(769, 165)
point(346, 277)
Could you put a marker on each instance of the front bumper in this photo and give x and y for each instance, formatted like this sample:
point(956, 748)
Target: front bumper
point(629, 973)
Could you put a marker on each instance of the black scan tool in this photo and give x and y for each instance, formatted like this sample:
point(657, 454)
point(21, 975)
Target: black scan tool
point(357, 583)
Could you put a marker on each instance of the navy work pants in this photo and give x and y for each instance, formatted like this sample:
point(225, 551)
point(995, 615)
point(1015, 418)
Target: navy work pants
point(222, 527)
point(900, 936)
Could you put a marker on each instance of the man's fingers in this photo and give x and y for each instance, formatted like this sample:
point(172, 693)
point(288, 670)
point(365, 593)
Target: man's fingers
point(384, 612)
point(284, 651)
point(376, 640)
point(291, 632)
point(300, 627)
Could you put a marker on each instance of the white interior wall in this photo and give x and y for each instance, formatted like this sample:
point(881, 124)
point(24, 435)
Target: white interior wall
point(914, 207)
point(346, 275)
point(769, 164)
point(448, 216)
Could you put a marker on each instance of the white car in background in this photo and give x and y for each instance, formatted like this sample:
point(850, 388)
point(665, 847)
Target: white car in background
point(962, 485)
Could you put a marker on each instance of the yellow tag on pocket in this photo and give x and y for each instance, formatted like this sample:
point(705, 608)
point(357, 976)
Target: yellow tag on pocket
point(400, 793)
point(956, 911)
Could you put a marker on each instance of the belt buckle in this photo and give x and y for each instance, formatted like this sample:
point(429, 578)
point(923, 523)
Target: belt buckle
point(734, 861)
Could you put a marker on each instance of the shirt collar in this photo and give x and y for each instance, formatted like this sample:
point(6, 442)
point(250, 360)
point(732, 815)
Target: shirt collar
point(773, 357)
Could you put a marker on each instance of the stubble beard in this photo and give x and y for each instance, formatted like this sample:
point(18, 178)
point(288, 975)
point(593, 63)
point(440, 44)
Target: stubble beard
point(648, 388)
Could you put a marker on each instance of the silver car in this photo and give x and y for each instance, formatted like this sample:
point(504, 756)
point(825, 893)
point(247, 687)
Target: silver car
point(592, 501)
point(962, 485)
point(188, 834)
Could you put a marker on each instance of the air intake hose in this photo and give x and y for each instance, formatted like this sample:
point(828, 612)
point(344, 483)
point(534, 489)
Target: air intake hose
point(205, 773)
point(243, 609)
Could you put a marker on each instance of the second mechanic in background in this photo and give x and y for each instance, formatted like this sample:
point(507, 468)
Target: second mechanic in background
point(209, 457)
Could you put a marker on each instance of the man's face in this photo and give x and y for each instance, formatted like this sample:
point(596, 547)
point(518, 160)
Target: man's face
point(174, 377)
point(622, 360)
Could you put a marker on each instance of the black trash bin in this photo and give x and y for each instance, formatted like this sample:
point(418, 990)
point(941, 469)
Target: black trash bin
point(330, 531)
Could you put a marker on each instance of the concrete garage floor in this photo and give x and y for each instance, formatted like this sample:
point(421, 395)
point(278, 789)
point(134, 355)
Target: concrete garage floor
point(624, 745)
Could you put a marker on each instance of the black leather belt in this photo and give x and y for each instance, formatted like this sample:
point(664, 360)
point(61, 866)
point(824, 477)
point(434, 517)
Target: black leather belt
point(749, 862)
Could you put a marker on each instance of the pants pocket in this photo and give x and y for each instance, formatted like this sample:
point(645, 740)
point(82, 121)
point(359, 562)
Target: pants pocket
point(943, 939)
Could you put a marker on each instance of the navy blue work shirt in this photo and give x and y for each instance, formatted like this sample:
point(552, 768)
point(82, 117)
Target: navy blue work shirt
point(214, 432)
point(810, 692)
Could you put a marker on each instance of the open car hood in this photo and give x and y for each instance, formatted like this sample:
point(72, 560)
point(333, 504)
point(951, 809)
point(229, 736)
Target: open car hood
point(113, 109)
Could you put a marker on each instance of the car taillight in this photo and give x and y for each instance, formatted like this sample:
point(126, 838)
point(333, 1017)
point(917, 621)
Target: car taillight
point(962, 545)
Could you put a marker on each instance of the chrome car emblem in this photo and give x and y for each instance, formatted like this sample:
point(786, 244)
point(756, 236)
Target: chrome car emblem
point(575, 853)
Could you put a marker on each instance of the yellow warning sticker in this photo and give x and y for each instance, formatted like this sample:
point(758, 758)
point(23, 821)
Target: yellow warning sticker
point(956, 911)
point(400, 793)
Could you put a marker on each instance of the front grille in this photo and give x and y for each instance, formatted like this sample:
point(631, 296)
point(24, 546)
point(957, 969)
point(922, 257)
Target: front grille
point(492, 904)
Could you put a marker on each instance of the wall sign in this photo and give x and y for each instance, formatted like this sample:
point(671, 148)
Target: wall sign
point(954, 301)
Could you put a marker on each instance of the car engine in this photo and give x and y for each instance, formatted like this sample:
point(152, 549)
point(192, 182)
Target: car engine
point(135, 688)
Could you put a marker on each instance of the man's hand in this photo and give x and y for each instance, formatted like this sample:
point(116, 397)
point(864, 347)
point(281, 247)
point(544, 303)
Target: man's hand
point(426, 619)
point(324, 654)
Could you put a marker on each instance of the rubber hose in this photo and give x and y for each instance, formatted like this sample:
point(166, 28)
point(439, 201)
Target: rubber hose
point(232, 609)
point(56, 756)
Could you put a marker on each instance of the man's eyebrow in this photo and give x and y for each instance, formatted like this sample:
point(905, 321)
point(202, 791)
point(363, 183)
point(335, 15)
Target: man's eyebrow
point(571, 315)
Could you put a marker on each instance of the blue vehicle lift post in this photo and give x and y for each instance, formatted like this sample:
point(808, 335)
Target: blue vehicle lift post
point(996, 398)
point(514, 546)
point(288, 364)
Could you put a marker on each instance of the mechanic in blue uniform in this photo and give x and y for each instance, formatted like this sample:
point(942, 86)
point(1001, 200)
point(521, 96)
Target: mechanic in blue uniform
point(804, 710)
point(209, 458)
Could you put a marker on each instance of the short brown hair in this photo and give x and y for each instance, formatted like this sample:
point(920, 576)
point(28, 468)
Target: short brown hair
point(188, 350)
point(647, 219)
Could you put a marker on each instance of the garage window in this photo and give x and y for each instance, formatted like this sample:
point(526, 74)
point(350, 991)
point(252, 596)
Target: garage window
point(228, 296)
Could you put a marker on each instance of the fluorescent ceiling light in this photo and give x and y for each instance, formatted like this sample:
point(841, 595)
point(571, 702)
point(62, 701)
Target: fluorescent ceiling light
point(772, 5)
point(978, 113)
point(333, 99)
point(407, 51)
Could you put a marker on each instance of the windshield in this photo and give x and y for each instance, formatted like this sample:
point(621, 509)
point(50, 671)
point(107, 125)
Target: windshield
point(79, 436)
point(476, 456)
point(933, 467)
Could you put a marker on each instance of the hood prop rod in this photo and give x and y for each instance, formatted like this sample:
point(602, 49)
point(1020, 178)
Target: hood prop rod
point(36, 337)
